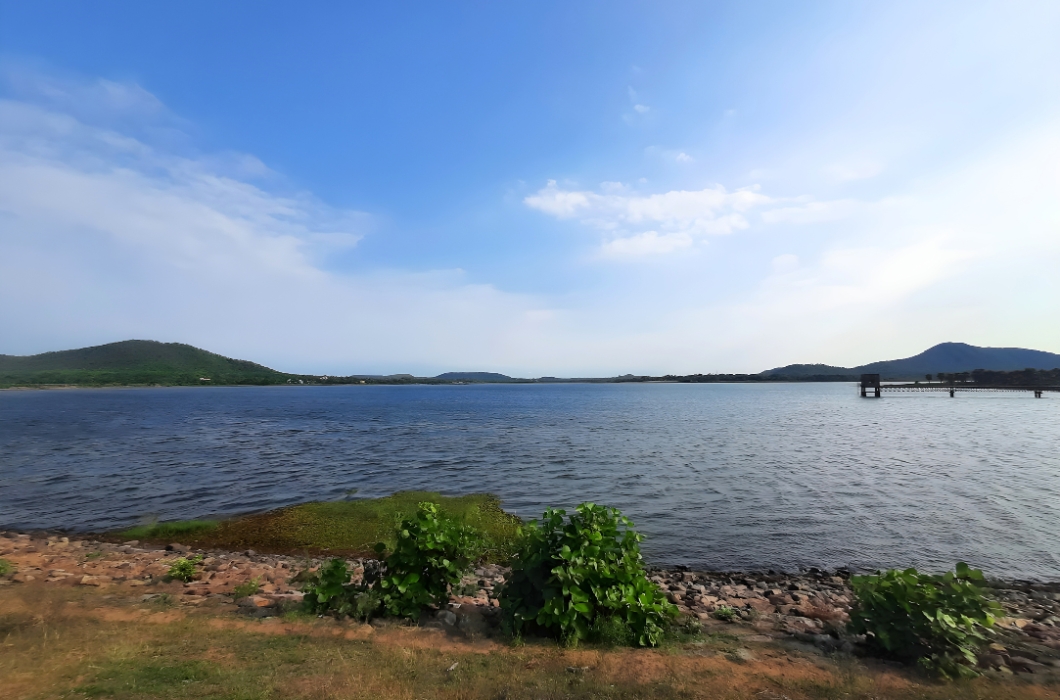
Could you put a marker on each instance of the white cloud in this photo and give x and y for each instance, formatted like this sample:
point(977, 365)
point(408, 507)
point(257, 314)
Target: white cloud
point(785, 263)
point(813, 212)
point(641, 109)
point(647, 243)
point(104, 236)
point(652, 223)
point(108, 234)
point(668, 154)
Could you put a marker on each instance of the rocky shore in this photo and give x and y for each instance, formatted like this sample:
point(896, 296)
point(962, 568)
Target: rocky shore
point(810, 608)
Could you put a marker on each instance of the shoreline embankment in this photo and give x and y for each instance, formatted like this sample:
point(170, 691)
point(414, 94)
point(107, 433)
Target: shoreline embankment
point(811, 606)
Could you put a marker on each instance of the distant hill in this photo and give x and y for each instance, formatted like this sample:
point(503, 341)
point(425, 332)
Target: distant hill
point(944, 357)
point(807, 371)
point(133, 362)
point(474, 377)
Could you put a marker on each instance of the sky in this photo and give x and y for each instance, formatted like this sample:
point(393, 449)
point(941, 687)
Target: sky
point(538, 189)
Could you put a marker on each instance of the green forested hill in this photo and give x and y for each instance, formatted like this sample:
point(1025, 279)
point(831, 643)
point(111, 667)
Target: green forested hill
point(133, 362)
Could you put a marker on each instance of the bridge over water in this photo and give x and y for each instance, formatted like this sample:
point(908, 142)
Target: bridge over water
point(871, 383)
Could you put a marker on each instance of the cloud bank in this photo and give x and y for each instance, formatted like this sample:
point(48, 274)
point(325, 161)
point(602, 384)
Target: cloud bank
point(113, 226)
point(638, 224)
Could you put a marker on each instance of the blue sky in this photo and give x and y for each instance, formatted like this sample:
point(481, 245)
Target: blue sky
point(530, 188)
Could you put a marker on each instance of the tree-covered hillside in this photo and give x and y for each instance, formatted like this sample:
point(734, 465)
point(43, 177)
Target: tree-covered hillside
point(133, 362)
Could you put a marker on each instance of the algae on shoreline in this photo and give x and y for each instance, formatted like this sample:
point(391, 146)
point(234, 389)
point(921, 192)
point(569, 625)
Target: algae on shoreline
point(349, 528)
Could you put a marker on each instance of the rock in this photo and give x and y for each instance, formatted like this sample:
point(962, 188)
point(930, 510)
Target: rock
point(250, 553)
point(177, 547)
point(991, 661)
point(447, 617)
point(94, 580)
point(740, 655)
point(254, 601)
point(23, 578)
point(1018, 663)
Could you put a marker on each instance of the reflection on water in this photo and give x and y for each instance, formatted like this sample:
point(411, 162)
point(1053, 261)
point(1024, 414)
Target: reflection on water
point(719, 476)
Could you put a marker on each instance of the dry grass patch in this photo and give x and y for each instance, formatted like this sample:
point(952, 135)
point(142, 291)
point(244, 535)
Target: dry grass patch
point(68, 642)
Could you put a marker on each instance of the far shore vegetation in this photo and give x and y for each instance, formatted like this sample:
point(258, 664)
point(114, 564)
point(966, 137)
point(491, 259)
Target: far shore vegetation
point(150, 363)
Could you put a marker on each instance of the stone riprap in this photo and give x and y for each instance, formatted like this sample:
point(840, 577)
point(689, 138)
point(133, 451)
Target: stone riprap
point(811, 607)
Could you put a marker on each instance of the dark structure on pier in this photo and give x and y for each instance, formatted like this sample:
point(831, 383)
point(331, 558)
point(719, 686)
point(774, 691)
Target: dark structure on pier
point(870, 381)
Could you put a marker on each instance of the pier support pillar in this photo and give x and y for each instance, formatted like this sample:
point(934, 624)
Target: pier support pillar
point(951, 393)
point(870, 381)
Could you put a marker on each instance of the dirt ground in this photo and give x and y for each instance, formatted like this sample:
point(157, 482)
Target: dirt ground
point(83, 619)
point(102, 642)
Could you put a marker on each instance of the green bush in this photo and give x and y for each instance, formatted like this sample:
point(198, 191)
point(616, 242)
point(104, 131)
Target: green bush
point(247, 589)
point(329, 592)
point(568, 577)
point(6, 567)
point(941, 621)
point(431, 554)
point(184, 569)
point(725, 614)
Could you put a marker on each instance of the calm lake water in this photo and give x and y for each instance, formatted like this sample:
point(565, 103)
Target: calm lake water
point(717, 476)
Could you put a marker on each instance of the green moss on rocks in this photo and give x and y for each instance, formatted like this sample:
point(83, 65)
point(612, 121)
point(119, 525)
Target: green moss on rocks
point(348, 528)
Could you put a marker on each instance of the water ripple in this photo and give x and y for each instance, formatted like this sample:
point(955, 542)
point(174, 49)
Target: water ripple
point(720, 476)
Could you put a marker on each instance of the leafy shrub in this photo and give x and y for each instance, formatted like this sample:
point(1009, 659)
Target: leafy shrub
point(329, 590)
point(569, 576)
point(184, 569)
point(686, 630)
point(431, 554)
point(249, 588)
point(6, 567)
point(610, 631)
point(467, 589)
point(725, 614)
point(939, 620)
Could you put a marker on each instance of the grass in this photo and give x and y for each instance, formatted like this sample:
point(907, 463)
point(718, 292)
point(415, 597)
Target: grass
point(169, 531)
point(348, 528)
point(69, 642)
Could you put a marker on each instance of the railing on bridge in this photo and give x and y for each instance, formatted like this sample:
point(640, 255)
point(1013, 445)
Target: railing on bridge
point(872, 381)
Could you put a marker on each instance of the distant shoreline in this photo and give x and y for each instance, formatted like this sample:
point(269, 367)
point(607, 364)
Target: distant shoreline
point(526, 382)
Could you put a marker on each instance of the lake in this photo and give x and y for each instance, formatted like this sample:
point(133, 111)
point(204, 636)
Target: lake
point(718, 476)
